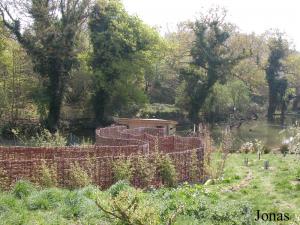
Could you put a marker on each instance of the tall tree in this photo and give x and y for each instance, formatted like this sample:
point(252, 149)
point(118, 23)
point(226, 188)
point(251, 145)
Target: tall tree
point(49, 38)
point(124, 48)
point(212, 60)
point(275, 75)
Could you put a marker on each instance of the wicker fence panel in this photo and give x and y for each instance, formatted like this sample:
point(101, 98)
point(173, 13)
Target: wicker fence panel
point(111, 143)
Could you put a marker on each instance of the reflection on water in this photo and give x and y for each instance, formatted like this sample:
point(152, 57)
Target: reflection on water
point(262, 130)
point(268, 133)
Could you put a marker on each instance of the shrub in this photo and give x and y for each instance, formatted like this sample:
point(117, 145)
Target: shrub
point(90, 192)
point(231, 213)
point(118, 187)
point(75, 205)
point(215, 167)
point(266, 149)
point(41, 139)
point(78, 176)
point(45, 199)
point(284, 149)
point(167, 171)
point(144, 171)
point(23, 189)
point(247, 147)
point(47, 176)
point(122, 169)
point(131, 207)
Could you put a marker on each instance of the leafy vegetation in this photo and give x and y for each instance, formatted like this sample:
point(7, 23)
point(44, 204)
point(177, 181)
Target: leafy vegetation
point(116, 65)
point(73, 64)
point(219, 203)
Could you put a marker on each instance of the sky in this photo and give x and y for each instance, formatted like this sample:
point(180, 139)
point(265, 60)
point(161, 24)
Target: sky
point(249, 15)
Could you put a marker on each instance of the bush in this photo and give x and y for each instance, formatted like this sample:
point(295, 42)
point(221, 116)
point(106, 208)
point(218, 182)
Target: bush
point(118, 187)
point(122, 169)
point(166, 170)
point(76, 205)
point(144, 170)
point(131, 207)
point(78, 177)
point(247, 147)
point(47, 176)
point(45, 199)
point(231, 213)
point(90, 192)
point(266, 149)
point(41, 139)
point(284, 149)
point(23, 189)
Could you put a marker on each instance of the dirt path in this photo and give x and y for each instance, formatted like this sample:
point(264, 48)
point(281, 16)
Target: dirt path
point(244, 183)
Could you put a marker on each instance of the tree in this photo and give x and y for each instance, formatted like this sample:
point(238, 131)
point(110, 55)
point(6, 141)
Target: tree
point(124, 49)
point(50, 41)
point(16, 80)
point(275, 75)
point(212, 60)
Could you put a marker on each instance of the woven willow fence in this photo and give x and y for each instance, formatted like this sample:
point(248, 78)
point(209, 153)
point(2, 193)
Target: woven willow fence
point(112, 143)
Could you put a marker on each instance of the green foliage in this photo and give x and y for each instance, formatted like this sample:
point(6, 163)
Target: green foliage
point(275, 75)
point(46, 199)
point(123, 51)
point(284, 149)
point(162, 111)
point(75, 205)
point(78, 176)
point(4, 103)
point(23, 189)
point(48, 176)
point(266, 149)
point(292, 135)
point(41, 139)
point(50, 41)
point(232, 213)
point(185, 204)
point(166, 170)
point(144, 170)
point(118, 187)
point(131, 207)
point(122, 169)
point(212, 61)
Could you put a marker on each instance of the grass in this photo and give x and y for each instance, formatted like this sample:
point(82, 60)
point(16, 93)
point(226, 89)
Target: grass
point(273, 190)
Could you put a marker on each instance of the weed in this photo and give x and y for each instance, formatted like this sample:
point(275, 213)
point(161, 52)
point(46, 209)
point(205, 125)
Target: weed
point(122, 169)
point(144, 171)
point(47, 176)
point(23, 189)
point(78, 176)
point(167, 171)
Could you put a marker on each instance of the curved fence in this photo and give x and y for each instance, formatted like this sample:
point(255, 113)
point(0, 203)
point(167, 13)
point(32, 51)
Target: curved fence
point(112, 143)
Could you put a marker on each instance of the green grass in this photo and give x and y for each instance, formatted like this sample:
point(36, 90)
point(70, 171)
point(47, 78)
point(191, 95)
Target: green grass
point(273, 190)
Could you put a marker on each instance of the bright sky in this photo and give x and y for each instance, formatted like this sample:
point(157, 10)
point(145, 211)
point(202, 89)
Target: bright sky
point(249, 15)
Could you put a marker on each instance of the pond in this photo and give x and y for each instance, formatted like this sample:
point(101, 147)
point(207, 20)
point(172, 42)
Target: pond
point(269, 133)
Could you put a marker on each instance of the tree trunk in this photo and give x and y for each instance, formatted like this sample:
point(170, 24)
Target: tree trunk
point(272, 104)
point(99, 102)
point(56, 93)
point(283, 109)
point(198, 101)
